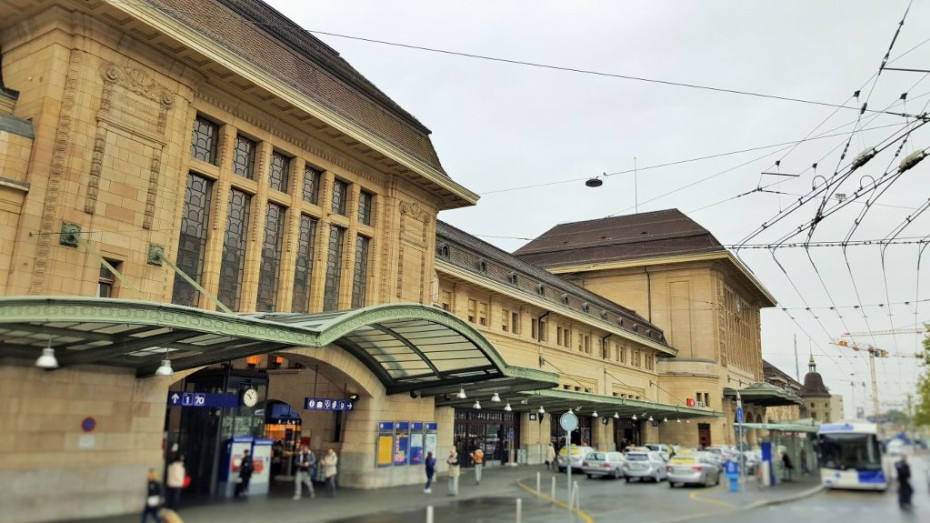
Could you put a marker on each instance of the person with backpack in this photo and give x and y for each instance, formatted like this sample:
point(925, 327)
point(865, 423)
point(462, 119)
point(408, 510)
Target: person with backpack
point(905, 491)
point(304, 461)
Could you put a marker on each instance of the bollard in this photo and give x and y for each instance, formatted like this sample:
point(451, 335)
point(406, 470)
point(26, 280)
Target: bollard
point(519, 509)
point(576, 497)
point(553, 488)
point(538, 483)
point(429, 514)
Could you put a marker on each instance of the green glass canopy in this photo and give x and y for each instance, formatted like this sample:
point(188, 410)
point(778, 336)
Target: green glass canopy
point(410, 347)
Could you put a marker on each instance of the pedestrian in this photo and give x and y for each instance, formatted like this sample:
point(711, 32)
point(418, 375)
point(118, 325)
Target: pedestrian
point(153, 497)
point(174, 481)
point(786, 462)
point(550, 456)
point(304, 460)
point(905, 491)
point(454, 472)
point(245, 474)
point(329, 470)
point(430, 471)
point(477, 457)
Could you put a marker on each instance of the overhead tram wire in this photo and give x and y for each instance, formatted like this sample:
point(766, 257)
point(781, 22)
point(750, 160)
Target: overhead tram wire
point(696, 159)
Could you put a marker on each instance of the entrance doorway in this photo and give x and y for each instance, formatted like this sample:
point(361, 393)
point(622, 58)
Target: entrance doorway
point(704, 434)
point(580, 436)
point(488, 430)
point(627, 433)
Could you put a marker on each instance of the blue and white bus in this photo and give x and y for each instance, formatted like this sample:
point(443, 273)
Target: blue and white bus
point(851, 456)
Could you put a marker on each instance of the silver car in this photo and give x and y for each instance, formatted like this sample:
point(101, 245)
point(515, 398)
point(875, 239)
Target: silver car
point(609, 464)
point(696, 468)
point(578, 454)
point(644, 465)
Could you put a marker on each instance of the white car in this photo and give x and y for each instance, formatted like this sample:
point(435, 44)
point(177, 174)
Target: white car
point(662, 449)
point(578, 454)
point(644, 465)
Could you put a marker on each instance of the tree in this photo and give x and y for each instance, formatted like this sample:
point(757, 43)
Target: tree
point(922, 407)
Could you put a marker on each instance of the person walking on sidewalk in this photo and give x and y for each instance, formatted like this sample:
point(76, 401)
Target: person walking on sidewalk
point(905, 491)
point(550, 456)
point(454, 472)
point(305, 461)
point(174, 480)
point(477, 458)
point(153, 497)
point(786, 462)
point(805, 468)
point(329, 470)
point(430, 471)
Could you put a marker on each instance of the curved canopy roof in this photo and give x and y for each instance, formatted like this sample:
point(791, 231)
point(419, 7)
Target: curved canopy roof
point(764, 394)
point(408, 346)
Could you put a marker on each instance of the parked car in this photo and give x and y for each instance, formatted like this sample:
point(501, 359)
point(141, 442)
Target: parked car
point(609, 464)
point(644, 465)
point(662, 449)
point(717, 455)
point(578, 454)
point(697, 468)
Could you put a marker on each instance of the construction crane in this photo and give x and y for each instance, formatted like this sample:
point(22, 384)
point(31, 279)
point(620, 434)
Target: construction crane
point(873, 353)
point(888, 332)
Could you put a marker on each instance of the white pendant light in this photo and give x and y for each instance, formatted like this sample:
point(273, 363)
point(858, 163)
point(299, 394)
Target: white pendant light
point(461, 395)
point(165, 369)
point(507, 407)
point(634, 417)
point(665, 420)
point(570, 410)
point(542, 410)
point(650, 417)
point(678, 420)
point(477, 405)
point(616, 415)
point(687, 421)
point(496, 398)
point(47, 360)
point(594, 414)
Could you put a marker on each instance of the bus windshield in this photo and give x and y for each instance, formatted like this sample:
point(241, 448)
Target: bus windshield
point(850, 451)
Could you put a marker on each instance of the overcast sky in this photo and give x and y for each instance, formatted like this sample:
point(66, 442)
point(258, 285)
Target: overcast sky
point(500, 128)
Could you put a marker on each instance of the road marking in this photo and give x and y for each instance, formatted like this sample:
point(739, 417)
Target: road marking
point(694, 496)
point(582, 514)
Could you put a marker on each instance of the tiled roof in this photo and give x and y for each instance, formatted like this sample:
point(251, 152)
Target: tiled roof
point(771, 371)
point(499, 264)
point(646, 235)
point(261, 35)
point(814, 386)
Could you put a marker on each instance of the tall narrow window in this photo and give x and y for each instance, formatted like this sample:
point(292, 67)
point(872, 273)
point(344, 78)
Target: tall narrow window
point(472, 310)
point(333, 268)
point(360, 280)
point(515, 322)
point(234, 245)
point(106, 281)
point(244, 157)
point(271, 259)
point(505, 320)
point(340, 191)
point(311, 191)
point(304, 267)
point(280, 168)
point(482, 313)
point(204, 140)
point(364, 207)
point(192, 242)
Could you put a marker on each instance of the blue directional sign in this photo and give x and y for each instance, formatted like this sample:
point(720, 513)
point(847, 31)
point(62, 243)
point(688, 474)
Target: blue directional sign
point(510, 434)
point(739, 414)
point(201, 399)
point(328, 404)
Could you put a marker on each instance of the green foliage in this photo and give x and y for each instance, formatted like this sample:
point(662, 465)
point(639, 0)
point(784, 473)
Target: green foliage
point(922, 407)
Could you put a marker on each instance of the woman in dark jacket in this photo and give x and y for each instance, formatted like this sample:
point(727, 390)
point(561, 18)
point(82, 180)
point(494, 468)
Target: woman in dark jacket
point(153, 497)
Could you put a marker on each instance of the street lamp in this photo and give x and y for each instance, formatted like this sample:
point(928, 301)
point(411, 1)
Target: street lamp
point(164, 369)
point(477, 405)
point(542, 410)
point(496, 398)
point(47, 360)
point(461, 395)
point(507, 407)
point(594, 414)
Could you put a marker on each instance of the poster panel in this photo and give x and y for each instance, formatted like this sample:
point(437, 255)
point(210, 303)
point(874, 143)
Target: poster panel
point(429, 444)
point(385, 450)
point(416, 448)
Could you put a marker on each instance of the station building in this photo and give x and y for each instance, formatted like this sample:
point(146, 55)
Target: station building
point(215, 233)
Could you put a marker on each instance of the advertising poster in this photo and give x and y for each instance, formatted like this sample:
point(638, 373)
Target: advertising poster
point(385, 450)
point(401, 443)
point(416, 448)
point(429, 444)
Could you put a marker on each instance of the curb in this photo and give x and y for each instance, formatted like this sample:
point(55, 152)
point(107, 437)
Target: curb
point(778, 501)
point(752, 506)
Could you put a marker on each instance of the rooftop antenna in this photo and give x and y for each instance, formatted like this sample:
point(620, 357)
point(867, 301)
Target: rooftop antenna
point(635, 188)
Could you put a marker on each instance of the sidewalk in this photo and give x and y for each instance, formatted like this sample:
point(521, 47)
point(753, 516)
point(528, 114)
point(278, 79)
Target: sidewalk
point(496, 495)
point(753, 494)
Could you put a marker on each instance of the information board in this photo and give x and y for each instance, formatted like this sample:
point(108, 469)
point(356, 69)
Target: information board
point(385, 450)
point(401, 443)
point(416, 448)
